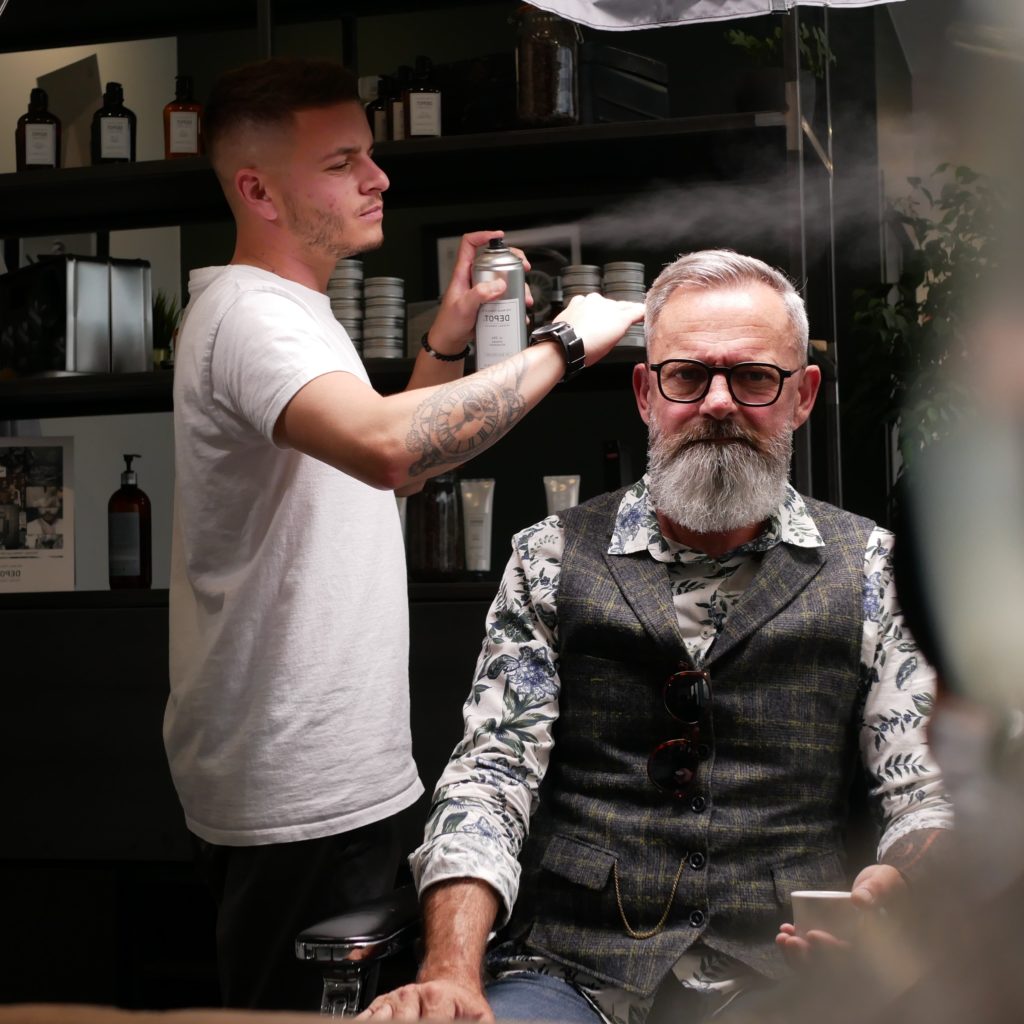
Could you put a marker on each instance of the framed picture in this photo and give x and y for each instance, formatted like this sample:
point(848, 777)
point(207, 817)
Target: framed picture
point(37, 514)
point(548, 248)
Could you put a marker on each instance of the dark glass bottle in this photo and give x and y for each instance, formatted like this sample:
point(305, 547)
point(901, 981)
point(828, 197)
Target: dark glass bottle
point(37, 135)
point(129, 534)
point(422, 102)
point(435, 546)
point(183, 122)
point(377, 109)
point(396, 106)
point(113, 129)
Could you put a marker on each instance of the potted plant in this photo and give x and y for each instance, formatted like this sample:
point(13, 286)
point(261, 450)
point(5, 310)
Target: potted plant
point(165, 325)
point(909, 336)
point(762, 86)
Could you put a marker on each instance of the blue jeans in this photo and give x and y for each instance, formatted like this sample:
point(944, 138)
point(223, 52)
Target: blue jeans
point(532, 996)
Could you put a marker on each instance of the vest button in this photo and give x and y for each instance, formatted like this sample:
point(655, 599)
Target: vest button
point(697, 804)
point(697, 918)
point(697, 861)
point(703, 751)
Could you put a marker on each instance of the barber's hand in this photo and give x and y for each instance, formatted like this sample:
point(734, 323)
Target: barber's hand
point(455, 323)
point(600, 322)
point(436, 1000)
point(877, 887)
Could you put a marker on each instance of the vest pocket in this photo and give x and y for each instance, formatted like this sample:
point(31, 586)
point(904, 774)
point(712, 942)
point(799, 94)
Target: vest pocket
point(824, 871)
point(578, 862)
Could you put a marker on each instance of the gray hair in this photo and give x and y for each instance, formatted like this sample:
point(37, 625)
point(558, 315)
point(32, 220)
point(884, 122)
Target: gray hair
point(723, 268)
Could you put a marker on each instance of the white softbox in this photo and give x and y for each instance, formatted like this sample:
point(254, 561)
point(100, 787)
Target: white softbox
point(623, 15)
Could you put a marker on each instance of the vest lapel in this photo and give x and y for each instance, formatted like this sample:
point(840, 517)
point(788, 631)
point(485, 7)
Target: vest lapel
point(644, 584)
point(784, 572)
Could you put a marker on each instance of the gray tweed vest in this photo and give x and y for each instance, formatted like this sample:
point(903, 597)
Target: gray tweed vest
point(769, 810)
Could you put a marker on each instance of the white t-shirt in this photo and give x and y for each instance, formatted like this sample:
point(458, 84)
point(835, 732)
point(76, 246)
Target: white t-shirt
point(288, 716)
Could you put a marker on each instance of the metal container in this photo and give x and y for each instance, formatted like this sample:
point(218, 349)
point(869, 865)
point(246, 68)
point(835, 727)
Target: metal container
point(347, 270)
point(501, 324)
point(76, 314)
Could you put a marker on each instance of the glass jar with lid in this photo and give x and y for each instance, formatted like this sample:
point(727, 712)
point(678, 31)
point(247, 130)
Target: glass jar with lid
point(547, 68)
point(433, 533)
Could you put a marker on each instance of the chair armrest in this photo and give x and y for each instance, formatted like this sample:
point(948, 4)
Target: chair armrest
point(376, 930)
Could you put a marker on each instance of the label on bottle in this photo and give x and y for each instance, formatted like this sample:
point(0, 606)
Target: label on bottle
point(41, 144)
point(115, 138)
point(397, 120)
point(380, 126)
point(424, 113)
point(125, 545)
point(183, 132)
point(498, 331)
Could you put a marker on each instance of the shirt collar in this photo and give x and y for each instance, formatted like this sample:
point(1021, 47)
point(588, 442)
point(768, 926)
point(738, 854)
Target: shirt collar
point(636, 529)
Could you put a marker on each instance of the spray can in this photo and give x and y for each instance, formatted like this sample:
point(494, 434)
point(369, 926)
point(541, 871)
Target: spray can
point(501, 324)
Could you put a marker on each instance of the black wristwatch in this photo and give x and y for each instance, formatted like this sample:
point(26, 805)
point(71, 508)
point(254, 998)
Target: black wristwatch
point(571, 342)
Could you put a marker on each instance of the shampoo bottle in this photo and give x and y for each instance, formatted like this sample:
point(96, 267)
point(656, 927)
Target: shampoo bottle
point(37, 135)
point(129, 533)
point(113, 129)
point(183, 122)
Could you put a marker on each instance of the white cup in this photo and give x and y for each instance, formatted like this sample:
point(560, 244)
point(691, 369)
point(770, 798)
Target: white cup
point(825, 911)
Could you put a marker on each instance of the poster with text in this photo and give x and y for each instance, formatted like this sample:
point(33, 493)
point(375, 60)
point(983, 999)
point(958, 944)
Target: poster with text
point(37, 514)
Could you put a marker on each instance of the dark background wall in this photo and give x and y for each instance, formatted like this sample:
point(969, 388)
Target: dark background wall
point(100, 900)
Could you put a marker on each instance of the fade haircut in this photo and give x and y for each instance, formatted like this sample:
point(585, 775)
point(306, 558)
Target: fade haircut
point(267, 94)
point(722, 268)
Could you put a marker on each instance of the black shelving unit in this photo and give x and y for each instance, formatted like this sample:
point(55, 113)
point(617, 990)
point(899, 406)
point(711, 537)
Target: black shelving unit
point(105, 394)
point(426, 172)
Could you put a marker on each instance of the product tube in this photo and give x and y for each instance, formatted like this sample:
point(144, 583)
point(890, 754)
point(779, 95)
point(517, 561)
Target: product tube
point(477, 502)
point(403, 503)
point(562, 492)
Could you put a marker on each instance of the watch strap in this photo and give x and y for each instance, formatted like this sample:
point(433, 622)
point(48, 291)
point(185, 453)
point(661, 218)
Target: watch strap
point(571, 343)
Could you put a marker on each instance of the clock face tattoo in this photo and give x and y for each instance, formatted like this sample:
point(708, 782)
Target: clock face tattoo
point(464, 418)
point(465, 423)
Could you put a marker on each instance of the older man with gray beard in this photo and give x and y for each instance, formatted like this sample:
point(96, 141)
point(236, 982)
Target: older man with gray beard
point(678, 684)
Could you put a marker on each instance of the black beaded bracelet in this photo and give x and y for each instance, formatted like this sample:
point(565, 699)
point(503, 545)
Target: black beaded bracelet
point(454, 358)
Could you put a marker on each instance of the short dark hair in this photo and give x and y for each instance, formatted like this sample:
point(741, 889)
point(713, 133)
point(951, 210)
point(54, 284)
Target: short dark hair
point(267, 93)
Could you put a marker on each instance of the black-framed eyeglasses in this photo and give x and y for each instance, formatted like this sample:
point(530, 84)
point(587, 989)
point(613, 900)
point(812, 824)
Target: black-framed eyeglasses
point(752, 384)
point(672, 765)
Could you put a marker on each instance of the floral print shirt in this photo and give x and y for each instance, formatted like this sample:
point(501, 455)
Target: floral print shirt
point(483, 800)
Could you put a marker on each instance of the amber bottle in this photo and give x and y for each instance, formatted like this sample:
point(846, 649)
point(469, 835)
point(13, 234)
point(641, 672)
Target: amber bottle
point(37, 135)
point(129, 534)
point(113, 129)
point(183, 122)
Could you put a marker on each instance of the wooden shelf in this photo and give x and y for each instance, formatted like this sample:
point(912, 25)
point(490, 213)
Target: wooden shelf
point(29, 26)
point(86, 394)
point(110, 197)
point(423, 171)
point(468, 589)
point(108, 394)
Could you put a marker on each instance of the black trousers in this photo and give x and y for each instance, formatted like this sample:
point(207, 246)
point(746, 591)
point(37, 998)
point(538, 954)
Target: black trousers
point(266, 895)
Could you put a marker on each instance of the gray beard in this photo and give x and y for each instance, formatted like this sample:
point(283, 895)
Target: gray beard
point(714, 488)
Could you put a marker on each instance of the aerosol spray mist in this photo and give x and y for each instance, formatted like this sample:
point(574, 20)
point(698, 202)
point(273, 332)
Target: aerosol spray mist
point(500, 325)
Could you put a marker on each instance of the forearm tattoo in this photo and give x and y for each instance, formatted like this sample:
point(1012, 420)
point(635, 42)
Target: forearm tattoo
point(921, 854)
point(460, 419)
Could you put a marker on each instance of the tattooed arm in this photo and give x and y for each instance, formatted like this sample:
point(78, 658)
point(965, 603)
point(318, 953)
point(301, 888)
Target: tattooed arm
point(393, 441)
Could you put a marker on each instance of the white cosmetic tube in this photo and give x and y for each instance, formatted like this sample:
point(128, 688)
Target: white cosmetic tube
point(477, 502)
point(402, 505)
point(562, 492)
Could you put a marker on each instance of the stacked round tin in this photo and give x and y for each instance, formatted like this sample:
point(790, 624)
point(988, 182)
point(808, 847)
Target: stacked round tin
point(620, 280)
point(625, 281)
point(580, 279)
point(345, 290)
point(384, 320)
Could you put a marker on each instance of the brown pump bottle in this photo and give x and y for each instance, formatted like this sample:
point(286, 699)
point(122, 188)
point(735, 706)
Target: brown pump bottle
point(129, 534)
